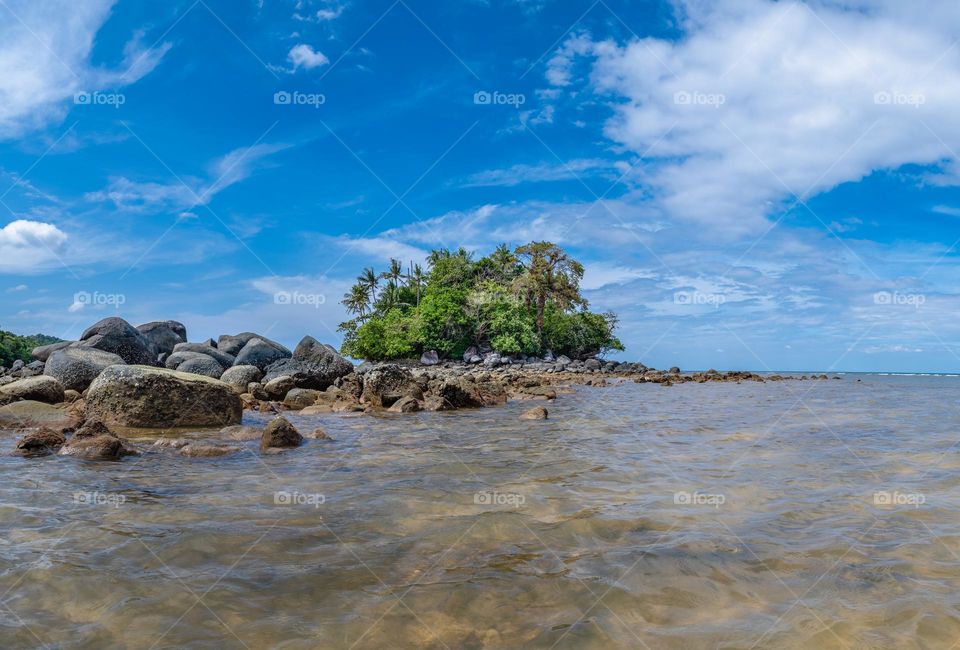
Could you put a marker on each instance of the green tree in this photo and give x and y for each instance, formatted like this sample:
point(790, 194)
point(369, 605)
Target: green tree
point(549, 274)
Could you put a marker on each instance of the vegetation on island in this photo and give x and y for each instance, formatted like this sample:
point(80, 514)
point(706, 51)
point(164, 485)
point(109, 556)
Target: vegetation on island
point(514, 302)
point(14, 346)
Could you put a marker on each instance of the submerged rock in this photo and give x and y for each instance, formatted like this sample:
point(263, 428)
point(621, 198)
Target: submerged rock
point(102, 447)
point(140, 396)
point(203, 450)
point(536, 413)
point(91, 429)
point(29, 413)
point(280, 434)
point(40, 443)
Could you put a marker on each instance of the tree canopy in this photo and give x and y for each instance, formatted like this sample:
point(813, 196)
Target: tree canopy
point(13, 346)
point(523, 301)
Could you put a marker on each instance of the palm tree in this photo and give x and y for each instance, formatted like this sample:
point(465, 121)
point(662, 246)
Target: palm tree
point(504, 262)
point(416, 279)
point(369, 279)
point(393, 277)
point(357, 300)
point(549, 274)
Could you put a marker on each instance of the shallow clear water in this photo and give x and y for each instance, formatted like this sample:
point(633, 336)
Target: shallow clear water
point(697, 516)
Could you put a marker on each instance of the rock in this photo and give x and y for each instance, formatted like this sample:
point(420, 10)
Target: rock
point(676, 371)
point(319, 434)
point(307, 374)
point(104, 447)
point(388, 383)
point(32, 369)
point(279, 387)
point(300, 398)
point(239, 377)
point(116, 335)
point(232, 344)
point(70, 396)
point(476, 359)
point(255, 388)
point(563, 360)
point(200, 450)
point(537, 392)
point(76, 368)
point(176, 359)
point(224, 359)
point(40, 389)
point(464, 392)
point(430, 358)
point(492, 360)
point(202, 365)
point(241, 432)
point(29, 413)
point(548, 357)
point(469, 353)
point(91, 429)
point(536, 413)
point(261, 353)
point(40, 443)
point(280, 434)
point(43, 352)
point(171, 443)
point(140, 396)
point(406, 404)
point(163, 334)
point(18, 364)
point(592, 364)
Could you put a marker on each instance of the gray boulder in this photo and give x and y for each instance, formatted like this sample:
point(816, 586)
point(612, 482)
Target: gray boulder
point(313, 365)
point(469, 353)
point(40, 389)
point(233, 343)
point(225, 360)
point(430, 358)
point(563, 360)
point(202, 365)
point(278, 388)
point(387, 383)
point(492, 359)
point(163, 334)
point(76, 368)
point(119, 337)
point(241, 376)
point(139, 396)
point(261, 352)
point(593, 364)
point(43, 352)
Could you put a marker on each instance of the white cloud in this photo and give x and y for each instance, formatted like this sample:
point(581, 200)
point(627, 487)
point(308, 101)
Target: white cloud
point(45, 48)
point(28, 246)
point(543, 172)
point(761, 100)
point(304, 56)
point(18, 288)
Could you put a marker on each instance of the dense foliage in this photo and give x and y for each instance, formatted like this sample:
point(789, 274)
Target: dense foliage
point(516, 302)
point(13, 347)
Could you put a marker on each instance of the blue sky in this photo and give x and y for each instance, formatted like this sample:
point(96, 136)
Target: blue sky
point(750, 184)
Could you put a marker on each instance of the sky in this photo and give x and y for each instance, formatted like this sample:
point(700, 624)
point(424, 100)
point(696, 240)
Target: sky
point(749, 184)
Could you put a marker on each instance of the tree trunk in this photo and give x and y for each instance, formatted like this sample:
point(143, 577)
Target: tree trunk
point(541, 305)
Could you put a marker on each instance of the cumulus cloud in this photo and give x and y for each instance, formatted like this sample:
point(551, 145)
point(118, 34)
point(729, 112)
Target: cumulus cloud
point(30, 246)
point(45, 48)
point(304, 56)
point(761, 101)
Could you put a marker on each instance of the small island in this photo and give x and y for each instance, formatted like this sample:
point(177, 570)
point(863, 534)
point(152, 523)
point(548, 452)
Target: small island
point(518, 303)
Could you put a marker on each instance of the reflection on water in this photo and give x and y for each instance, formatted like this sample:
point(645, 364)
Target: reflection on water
point(801, 515)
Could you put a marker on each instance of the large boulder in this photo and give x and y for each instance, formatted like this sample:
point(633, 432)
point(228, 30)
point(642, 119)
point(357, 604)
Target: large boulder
point(318, 371)
point(41, 389)
point(202, 365)
point(233, 343)
point(76, 368)
point(174, 360)
point(261, 352)
point(311, 350)
point(163, 334)
point(386, 384)
point(116, 335)
point(279, 434)
point(43, 352)
point(464, 392)
point(430, 358)
point(141, 396)
point(239, 377)
point(299, 398)
point(225, 360)
point(31, 414)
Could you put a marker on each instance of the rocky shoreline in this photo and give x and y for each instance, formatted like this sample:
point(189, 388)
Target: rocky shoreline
point(120, 378)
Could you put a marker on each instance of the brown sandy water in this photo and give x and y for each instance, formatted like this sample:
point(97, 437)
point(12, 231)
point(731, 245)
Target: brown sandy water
point(714, 516)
